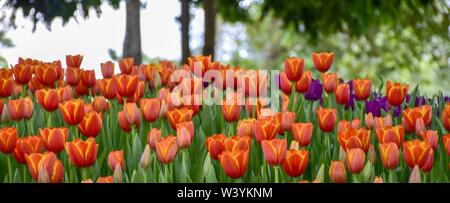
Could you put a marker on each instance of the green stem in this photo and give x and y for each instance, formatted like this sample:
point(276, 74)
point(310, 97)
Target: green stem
point(276, 174)
point(85, 173)
point(49, 119)
point(30, 127)
point(10, 175)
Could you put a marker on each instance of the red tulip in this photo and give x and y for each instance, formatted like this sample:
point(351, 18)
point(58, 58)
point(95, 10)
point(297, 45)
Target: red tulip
point(285, 84)
point(22, 73)
point(418, 153)
point(6, 86)
point(245, 127)
point(239, 143)
point(295, 163)
point(8, 140)
point(323, 60)
point(185, 134)
point(390, 155)
point(330, 82)
point(446, 117)
point(199, 64)
point(302, 133)
point(287, 118)
point(74, 60)
point(115, 158)
point(337, 172)
point(396, 93)
point(265, 129)
point(126, 85)
point(354, 138)
point(234, 163)
point(88, 78)
point(48, 99)
point(411, 117)
point(342, 94)
point(274, 151)
point(73, 76)
point(355, 159)
point(153, 137)
point(107, 69)
point(91, 124)
point(231, 110)
point(27, 145)
point(326, 119)
point(166, 149)
point(20, 109)
point(391, 134)
point(72, 111)
point(176, 116)
point(215, 145)
point(46, 74)
point(302, 86)
point(150, 109)
point(54, 138)
point(446, 141)
point(362, 88)
point(47, 164)
point(130, 115)
point(431, 137)
point(294, 68)
point(100, 104)
point(82, 153)
point(126, 65)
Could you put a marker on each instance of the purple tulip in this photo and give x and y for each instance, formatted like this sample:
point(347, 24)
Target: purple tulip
point(315, 91)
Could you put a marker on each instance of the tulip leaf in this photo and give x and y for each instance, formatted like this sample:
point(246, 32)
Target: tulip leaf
point(414, 94)
point(137, 151)
point(17, 178)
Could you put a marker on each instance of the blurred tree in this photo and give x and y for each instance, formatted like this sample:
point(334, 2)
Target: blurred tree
point(184, 20)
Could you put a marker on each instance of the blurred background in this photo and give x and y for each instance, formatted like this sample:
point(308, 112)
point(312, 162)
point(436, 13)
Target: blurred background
point(401, 40)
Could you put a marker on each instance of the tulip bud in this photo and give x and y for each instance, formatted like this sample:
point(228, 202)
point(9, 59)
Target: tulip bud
point(117, 174)
point(87, 181)
point(371, 154)
point(368, 172)
point(320, 174)
point(415, 175)
point(420, 126)
point(378, 179)
point(294, 145)
point(145, 158)
point(341, 154)
point(43, 176)
point(370, 122)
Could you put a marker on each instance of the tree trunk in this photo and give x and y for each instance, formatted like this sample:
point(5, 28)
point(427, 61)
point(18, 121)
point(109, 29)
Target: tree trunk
point(184, 20)
point(132, 42)
point(209, 7)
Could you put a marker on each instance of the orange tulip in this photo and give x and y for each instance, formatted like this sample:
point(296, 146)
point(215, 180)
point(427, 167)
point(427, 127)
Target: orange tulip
point(234, 143)
point(153, 137)
point(100, 104)
point(390, 155)
point(287, 118)
point(82, 153)
point(215, 145)
point(22, 73)
point(418, 153)
point(88, 78)
point(337, 172)
point(330, 82)
point(72, 111)
point(46, 74)
point(150, 108)
point(231, 110)
point(107, 69)
point(265, 129)
point(302, 86)
point(294, 68)
point(323, 60)
point(6, 73)
point(48, 99)
point(20, 109)
point(73, 76)
point(166, 149)
point(126, 65)
point(8, 140)
point(446, 140)
point(54, 138)
point(411, 117)
point(126, 85)
point(431, 137)
point(446, 117)
point(245, 127)
point(199, 64)
point(108, 87)
point(396, 93)
point(380, 122)
point(354, 138)
point(65, 93)
point(176, 116)
point(370, 121)
point(296, 161)
point(74, 60)
point(274, 151)
point(362, 88)
point(6, 86)
point(46, 163)
point(115, 158)
point(91, 124)
point(105, 179)
point(391, 134)
point(234, 163)
point(326, 119)
point(378, 179)
point(185, 134)
point(302, 133)
point(27, 145)
point(355, 159)
point(130, 115)
point(285, 84)
point(342, 94)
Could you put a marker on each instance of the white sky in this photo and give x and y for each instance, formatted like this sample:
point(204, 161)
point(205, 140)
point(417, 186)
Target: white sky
point(93, 37)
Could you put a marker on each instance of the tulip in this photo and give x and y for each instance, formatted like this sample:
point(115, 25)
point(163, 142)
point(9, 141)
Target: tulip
point(107, 69)
point(285, 84)
point(302, 133)
point(351, 138)
point(22, 73)
point(330, 82)
point(294, 68)
point(145, 160)
point(323, 60)
point(27, 145)
point(20, 109)
point(215, 145)
point(265, 129)
point(126, 65)
point(185, 134)
point(108, 87)
point(150, 109)
point(274, 151)
point(411, 117)
point(8, 139)
point(153, 137)
point(126, 85)
point(342, 94)
point(73, 76)
point(46, 74)
point(72, 111)
point(115, 158)
point(446, 141)
point(48, 99)
point(130, 115)
point(418, 153)
point(88, 78)
point(234, 163)
point(302, 86)
point(389, 154)
point(6, 86)
point(231, 110)
point(178, 115)
point(54, 138)
point(45, 165)
point(370, 122)
point(287, 118)
point(446, 117)
point(6, 73)
point(105, 179)
point(391, 134)
point(296, 161)
point(234, 143)
point(65, 93)
point(245, 127)
point(380, 122)
point(362, 88)
point(378, 179)
point(355, 159)
point(100, 104)
point(337, 172)
point(431, 137)
point(199, 64)
point(326, 119)
point(74, 60)
point(415, 175)
point(396, 93)
point(82, 153)
point(166, 149)
point(91, 124)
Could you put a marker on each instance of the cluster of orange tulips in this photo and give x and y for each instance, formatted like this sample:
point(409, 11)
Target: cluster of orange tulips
point(153, 123)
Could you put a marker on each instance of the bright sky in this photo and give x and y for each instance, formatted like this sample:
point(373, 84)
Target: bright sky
point(94, 36)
